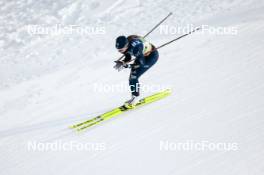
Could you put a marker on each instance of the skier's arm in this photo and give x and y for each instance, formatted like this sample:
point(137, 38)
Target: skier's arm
point(123, 63)
point(127, 58)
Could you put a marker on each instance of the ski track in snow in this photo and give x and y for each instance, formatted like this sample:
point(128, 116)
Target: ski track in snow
point(46, 84)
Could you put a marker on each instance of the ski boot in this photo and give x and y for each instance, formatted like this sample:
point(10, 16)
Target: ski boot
point(131, 103)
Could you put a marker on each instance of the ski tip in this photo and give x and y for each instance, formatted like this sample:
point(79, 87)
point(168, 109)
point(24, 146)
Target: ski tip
point(76, 130)
point(72, 127)
point(167, 91)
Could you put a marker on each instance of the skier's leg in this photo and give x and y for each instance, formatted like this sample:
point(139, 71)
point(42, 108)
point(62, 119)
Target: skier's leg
point(136, 73)
point(133, 81)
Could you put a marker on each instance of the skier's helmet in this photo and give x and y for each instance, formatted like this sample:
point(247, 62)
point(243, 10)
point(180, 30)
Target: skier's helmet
point(121, 42)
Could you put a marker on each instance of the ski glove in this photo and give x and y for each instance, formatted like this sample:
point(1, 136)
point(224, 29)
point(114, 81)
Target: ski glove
point(120, 65)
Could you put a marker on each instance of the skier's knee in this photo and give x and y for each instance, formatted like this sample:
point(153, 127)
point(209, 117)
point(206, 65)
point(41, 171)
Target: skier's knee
point(133, 79)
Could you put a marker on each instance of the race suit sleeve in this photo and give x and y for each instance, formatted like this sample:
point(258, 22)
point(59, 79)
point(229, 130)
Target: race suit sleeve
point(127, 57)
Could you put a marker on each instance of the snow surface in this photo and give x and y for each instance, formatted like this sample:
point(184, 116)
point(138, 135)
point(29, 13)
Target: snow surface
point(46, 84)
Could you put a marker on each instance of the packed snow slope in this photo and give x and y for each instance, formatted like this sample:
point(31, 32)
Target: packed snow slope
point(47, 83)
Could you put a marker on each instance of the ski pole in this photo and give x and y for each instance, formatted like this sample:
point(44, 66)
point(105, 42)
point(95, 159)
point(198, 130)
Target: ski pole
point(150, 31)
point(169, 42)
point(157, 25)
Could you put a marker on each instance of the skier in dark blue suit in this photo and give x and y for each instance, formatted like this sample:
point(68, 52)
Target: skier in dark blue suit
point(145, 56)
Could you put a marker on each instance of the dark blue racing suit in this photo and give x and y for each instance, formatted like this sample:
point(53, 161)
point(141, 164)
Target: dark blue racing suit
point(142, 62)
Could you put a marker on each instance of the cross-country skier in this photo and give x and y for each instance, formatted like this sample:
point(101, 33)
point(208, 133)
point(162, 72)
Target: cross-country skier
point(140, 55)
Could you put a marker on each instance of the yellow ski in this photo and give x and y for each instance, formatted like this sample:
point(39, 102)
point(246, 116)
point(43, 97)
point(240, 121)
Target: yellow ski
point(110, 114)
